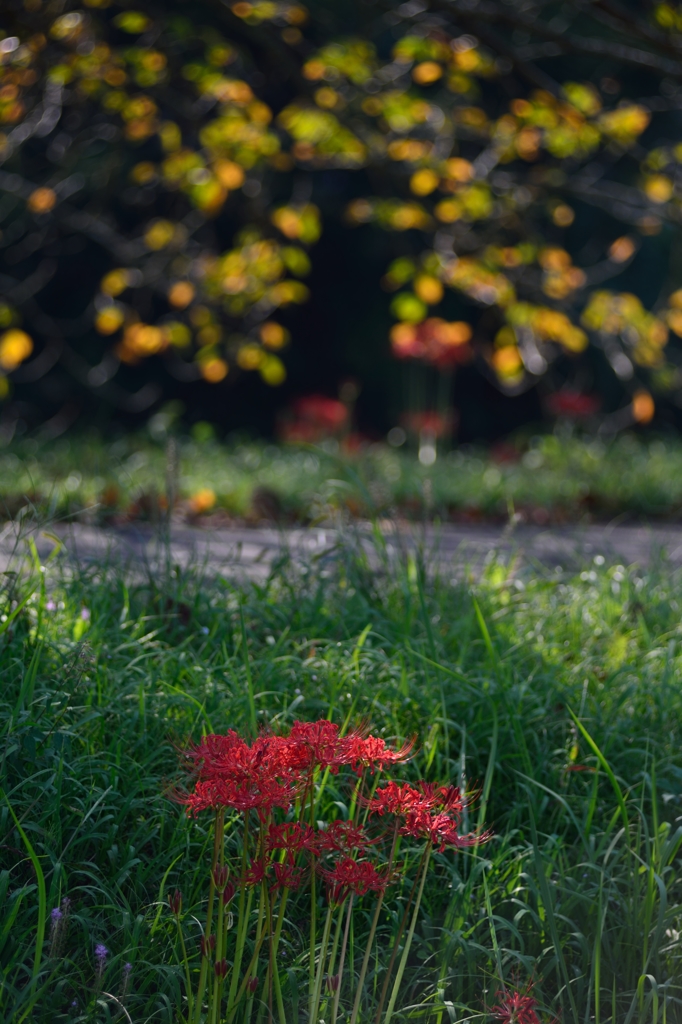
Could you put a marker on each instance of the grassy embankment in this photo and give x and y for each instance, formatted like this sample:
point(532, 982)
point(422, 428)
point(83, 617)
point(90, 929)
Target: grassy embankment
point(554, 480)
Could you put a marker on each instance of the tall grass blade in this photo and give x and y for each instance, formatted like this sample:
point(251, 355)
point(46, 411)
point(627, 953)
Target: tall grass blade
point(609, 772)
point(42, 896)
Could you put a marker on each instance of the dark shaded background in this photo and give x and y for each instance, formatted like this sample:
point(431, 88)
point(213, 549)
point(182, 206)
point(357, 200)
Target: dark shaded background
point(342, 332)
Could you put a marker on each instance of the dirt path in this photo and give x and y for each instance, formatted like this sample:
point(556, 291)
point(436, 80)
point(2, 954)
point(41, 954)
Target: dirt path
point(252, 552)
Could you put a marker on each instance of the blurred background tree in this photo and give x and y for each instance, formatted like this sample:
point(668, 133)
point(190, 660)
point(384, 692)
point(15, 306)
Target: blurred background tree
point(463, 214)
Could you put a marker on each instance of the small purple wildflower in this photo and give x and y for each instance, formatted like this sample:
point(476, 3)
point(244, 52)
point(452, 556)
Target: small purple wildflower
point(50, 606)
point(57, 928)
point(125, 980)
point(101, 954)
point(85, 614)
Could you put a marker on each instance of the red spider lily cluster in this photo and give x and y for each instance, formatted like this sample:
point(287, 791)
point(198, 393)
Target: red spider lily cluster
point(275, 771)
point(434, 423)
point(427, 812)
point(516, 1007)
point(312, 418)
point(266, 796)
point(433, 341)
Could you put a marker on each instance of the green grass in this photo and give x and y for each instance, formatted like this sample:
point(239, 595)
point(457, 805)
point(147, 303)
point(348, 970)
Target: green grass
point(558, 695)
point(550, 479)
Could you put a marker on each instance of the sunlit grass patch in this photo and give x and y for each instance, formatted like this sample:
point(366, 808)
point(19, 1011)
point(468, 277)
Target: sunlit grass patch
point(555, 696)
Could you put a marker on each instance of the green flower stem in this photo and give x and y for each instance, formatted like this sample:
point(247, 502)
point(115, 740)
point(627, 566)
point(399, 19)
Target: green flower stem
point(275, 975)
point(243, 914)
point(372, 932)
point(253, 964)
point(320, 964)
point(313, 914)
point(332, 959)
point(219, 829)
point(231, 1009)
point(280, 918)
point(266, 991)
point(313, 936)
point(408, 940)
point(248, 1009)
point(375, 786)
point(218, 981)
point(278, 997)
point(354, 799)
point(396, 945)
point(272, 965)
point(275, 946)
point(185, 961)
point(344, 945)
point(335, 944)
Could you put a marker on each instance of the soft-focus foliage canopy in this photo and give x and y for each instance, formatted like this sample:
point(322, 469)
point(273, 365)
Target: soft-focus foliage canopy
point(183, 143)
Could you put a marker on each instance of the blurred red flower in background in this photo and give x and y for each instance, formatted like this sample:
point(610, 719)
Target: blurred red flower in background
point(434, 423)
point(572, 404)
point(434, 341)
point(312, 418)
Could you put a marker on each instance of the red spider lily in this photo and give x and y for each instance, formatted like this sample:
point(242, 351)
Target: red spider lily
point(264, 775)
point(258, 794)
point(445, 798)
point(341, 837)
point(430, 812)
point(327, 749)
point(352, 876)
point(231, 758)
point(286, 876)
point(396, 799)
point(371, 752)
point(207, 945)
point(291, 836)
point(516, 1008)
point(218, 757)
point(440, 829)
point(254, 874)
point(270, 772)
point(316, 744)
point(426, 797)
